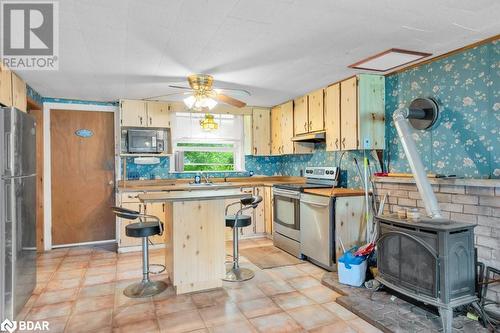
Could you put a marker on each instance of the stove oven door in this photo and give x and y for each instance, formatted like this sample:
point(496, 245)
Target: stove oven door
point(286, 213)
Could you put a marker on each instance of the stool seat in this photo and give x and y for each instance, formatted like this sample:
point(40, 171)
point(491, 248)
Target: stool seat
point(243, 221)
point(145, 229)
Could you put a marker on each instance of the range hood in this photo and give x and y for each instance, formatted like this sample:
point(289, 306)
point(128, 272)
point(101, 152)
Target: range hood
point(310, 137)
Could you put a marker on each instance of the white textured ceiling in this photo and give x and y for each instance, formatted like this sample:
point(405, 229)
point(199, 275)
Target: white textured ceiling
point(276, 49)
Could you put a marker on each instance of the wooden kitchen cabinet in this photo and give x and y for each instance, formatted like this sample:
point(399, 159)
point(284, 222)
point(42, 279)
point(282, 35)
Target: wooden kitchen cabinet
point(362, 112)
point(276, 137)
point(158, 210)
point(125, 240)
point(332, 117)
point(133, 113)
point(286, 128)
point(261, 132)
point(300, 117)
point(259, 214)
point(268, 210)
point(158, 114)
point(350, 223)
point(315, 111)
point(5, 86)
point(19, 100)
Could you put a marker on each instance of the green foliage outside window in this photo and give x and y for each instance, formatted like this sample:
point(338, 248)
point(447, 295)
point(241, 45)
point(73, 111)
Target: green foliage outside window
point(208, 161)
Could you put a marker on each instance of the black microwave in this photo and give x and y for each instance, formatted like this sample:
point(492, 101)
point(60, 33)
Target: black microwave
point(146, 141)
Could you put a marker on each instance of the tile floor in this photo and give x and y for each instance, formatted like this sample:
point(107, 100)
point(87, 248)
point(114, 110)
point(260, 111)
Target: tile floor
point(80, 290)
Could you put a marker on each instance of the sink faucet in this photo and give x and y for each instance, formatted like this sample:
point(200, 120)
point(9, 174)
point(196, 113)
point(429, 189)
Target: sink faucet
point(205, 176)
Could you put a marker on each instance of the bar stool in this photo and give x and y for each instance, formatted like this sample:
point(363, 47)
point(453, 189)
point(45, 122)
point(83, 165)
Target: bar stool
point(235, 273)
point(148, 225)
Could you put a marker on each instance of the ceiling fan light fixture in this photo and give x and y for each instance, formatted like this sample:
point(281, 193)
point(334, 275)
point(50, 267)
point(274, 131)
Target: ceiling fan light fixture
point(199, 102)
point(190, 101)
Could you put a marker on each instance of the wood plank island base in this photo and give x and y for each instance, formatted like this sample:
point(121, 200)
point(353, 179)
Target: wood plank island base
point(195, 243)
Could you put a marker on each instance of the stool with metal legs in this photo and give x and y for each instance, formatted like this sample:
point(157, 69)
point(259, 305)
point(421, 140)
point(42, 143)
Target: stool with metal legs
point(148, 225)
point(235, 272)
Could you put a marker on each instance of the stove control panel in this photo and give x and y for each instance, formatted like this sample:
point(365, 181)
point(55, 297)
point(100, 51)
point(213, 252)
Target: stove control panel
point(322, 172)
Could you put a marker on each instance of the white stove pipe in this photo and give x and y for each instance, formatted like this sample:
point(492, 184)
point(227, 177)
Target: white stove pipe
point(400, 117)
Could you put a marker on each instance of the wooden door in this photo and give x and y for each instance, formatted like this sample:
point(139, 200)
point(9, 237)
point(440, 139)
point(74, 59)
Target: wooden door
point(332, 117)
point(268, 210)
point(19, 99)
point(300, 118)
point(287, 128)
point(316, 117)
point(350, 223)
point(349, 114)
point(259, 212)
point(5, 85)
point(133, 113)
point(276, 140)
point(158, 114)
point(82, 176)
point(261, 132)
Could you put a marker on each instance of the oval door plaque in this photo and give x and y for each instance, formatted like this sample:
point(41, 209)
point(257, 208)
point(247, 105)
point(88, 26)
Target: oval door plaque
point(84, 133)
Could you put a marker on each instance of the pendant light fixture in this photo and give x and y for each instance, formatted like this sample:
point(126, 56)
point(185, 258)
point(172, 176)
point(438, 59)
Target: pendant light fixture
point(208, 123)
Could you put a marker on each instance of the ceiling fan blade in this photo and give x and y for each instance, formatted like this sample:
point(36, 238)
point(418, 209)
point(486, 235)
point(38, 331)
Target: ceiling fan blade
point(229, 100)
point(166, 95)
point(239, 92)
point(181, 87)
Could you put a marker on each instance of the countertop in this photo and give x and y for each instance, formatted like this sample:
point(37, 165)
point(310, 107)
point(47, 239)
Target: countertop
point(183, 184)
point(336, 192)
point(214, 194)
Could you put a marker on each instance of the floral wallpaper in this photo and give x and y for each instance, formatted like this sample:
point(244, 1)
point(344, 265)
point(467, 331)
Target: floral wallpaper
point(466, 140)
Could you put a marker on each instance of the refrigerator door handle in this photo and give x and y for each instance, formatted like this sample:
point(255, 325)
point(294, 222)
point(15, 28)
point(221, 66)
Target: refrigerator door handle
point(8, 140)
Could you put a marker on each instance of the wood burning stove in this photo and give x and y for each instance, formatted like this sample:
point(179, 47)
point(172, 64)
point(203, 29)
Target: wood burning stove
point(430, 261)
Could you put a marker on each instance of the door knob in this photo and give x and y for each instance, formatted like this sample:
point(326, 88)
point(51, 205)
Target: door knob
point(111, 182)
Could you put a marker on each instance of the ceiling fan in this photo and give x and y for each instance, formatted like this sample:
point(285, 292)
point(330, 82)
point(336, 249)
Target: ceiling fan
point(202, 95)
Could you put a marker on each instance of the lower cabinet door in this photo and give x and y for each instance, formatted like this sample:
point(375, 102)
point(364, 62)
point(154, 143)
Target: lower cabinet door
point(124, 239)
point(158, 210)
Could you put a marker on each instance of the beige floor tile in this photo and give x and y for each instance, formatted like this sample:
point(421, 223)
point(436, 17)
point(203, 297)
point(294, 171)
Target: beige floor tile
point(276, 323)
point(339, 311)
point(89, 304)
point(291, 300)
point(338, 326)
point(100, 270)
point(65, 275)
point(99, 279)
point(258, 307)
point(362, 326)
point(80, 251)
point(221, 314)
point(102, 262)
point(79, 258)
point(145, 326)
point(175, 303)
point(234, 327)
point(50, 311)
point(184, 321)
point(312, 316)
point(286, 272)
point(309, 268)
point(90, 321)
point(97, 290)
point(276, 287)
point(57, 296)
point(210, 298)
point(133, 314)
point(320, 294)
point(63, 284)
point(303, 282)
point(69, 266)
point(247, 292)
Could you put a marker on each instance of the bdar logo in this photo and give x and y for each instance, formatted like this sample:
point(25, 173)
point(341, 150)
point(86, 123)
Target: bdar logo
point(8, 326)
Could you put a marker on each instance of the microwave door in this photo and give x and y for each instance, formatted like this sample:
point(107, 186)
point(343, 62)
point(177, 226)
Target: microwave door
point(141, 142)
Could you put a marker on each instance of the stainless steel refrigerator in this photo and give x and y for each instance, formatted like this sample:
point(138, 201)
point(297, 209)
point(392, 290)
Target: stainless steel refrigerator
point(17, 211)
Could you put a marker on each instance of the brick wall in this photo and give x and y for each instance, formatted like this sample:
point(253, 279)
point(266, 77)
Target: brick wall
point(465, 203)
point(459, 202)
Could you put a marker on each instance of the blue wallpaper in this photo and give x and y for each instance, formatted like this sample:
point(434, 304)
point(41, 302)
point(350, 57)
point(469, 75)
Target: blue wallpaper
point(34, 95)
point(466, 140)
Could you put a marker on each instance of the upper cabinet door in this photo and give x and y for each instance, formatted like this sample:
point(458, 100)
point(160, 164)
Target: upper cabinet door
point(158, 114)
point(349, 114)
point(287, 128)
point(276, 140)
point(261, 132)
point(133, 113)
point(5, 86)
point(332, 117)
point(301, 122)
point(19, 93)
point(316, 119)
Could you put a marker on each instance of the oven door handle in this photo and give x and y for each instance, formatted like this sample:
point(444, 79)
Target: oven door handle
point(286, 194)
point(315, 203)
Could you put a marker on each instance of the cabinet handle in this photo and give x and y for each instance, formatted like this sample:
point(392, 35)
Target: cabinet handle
point(337, 143)
point(140, 119)
point(255, 150)
point(305, 126)
point(150, 121)
point(343, 142)
point(163, 207)
point(310, 125)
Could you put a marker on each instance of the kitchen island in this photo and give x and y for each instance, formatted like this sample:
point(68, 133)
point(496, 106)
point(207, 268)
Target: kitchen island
point(194, 240)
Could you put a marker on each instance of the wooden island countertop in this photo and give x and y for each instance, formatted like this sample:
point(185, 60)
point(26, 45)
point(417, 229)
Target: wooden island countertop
point(336, 192)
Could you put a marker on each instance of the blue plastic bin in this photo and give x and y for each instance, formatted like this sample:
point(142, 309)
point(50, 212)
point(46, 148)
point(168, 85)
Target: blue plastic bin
point(351, 268)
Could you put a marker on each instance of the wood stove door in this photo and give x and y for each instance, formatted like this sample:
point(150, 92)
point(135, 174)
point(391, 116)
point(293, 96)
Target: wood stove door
point(408, 262)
